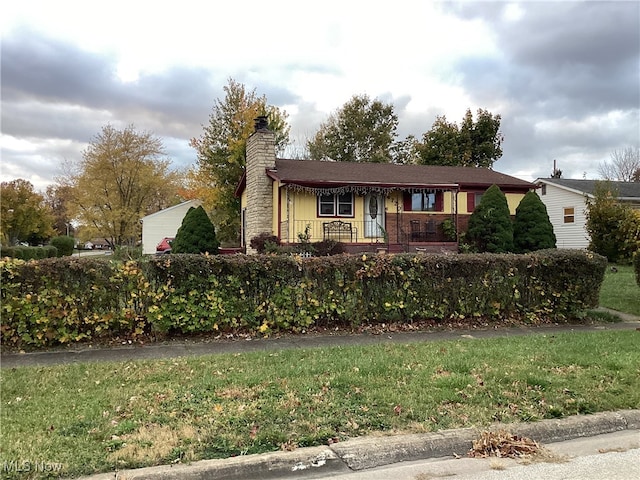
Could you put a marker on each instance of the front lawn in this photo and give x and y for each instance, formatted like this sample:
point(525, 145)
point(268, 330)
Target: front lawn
point(620, 291)
point(96, 417)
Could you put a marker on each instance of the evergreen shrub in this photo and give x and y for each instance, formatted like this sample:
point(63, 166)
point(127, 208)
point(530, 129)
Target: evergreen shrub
point(532, 229)
point(196, 234)
point(490, 227)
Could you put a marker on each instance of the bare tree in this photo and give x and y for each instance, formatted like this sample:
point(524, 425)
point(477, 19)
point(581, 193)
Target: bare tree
point(623, 167)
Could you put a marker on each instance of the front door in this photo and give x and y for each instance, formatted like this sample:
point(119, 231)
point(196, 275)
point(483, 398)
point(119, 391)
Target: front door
point(374, 215)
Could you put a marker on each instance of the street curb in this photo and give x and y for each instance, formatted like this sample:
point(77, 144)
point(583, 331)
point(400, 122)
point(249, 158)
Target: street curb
point(297, 464)
point(376, 451)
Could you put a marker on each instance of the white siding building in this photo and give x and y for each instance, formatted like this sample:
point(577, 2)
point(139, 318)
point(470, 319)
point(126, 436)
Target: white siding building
point(164, 223)
point(566, 204)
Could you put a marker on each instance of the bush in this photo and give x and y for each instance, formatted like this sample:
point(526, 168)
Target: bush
point(64, 244)
point(127, 253)
point(324, 248)
point(532, 229)
point(260, 242)
point(29, 253)
point(490, 228)
point(62, 300)
point(614, 228)
point(196, 234)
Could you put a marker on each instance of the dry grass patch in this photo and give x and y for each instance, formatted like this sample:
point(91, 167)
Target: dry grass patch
point(152, 444)
point(236, 392)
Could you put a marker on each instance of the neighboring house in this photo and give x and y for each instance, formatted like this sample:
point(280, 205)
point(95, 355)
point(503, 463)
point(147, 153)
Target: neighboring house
point(96, 244)
point(164, 223)
point(565, 200)
point(366, 206)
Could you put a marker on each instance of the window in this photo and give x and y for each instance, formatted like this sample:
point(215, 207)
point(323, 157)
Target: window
point(473, 200)
point(543, 189)
point(423, 202)
point(338, 205)
point(569, 215)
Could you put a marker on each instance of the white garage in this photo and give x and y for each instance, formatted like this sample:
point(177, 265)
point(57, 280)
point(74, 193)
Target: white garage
point(164, 223)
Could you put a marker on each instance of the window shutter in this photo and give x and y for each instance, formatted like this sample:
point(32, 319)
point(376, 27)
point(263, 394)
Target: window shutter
point(471, 201)
point(439, 201)
point(406, 196)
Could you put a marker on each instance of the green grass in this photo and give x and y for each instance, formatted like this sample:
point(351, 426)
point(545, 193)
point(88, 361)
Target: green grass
point(96, 417)
point(620, 291)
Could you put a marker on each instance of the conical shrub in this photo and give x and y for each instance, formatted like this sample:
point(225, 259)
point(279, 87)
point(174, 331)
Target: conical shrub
point(196, 234)
point(532, 229)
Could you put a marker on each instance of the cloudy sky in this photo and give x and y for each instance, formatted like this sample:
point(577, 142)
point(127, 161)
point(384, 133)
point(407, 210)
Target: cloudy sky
point(564, 76)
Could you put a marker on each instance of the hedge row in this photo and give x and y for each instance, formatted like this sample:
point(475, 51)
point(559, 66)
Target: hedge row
point(29, 253)
point(71, 299)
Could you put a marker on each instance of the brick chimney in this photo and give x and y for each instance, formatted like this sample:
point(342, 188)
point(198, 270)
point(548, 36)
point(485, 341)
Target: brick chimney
point(261, 155)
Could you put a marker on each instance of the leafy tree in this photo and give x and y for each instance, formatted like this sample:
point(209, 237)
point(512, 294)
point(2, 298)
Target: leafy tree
point(196, 234)
point(57, 197)
point(24, 216)
point(532, 229)
point(404, 152)
point(624, 166)
point(614, 228)
point(472, 144)
point(221, 152)
point(363, 130)
point(490, 227)
point(121, 178)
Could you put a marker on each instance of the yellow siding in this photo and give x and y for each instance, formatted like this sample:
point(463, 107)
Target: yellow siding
point(303, 211)
point(462, 202)
point(274, 200)
point(513, 200)
point(392, 202)
point(299, 209)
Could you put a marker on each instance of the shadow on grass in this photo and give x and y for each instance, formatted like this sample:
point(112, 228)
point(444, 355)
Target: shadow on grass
point(604, 317)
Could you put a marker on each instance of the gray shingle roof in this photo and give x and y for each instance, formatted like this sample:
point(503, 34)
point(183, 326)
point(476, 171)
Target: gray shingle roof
point(624, 189)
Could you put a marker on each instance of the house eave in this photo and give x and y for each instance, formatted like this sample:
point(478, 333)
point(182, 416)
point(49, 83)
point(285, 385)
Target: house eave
point(362, 187)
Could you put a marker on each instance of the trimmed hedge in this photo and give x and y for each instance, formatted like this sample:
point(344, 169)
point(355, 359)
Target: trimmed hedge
point(71, 299)
point(64, 244)
point(29, 253)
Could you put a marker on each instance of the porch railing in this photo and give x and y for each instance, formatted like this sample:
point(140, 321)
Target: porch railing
point(406, 231)
point(342, 230)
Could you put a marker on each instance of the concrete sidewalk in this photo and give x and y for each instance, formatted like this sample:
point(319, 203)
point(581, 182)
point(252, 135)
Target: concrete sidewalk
point(361, 454)
point(238, 345)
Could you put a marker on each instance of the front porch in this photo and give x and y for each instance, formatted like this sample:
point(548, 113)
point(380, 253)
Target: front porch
point(402, 232)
